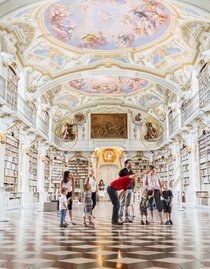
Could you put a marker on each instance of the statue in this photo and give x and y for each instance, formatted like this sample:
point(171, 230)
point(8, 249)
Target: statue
point(68, 132)
point(151, 132)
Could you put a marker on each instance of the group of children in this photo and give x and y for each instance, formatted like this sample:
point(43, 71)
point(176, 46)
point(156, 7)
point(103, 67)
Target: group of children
point(147, 201)
point(88, 205)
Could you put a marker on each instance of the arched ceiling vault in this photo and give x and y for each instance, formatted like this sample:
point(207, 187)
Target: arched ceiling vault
point(139, 52)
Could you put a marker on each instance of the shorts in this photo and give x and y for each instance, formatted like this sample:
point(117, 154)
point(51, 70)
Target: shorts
point(166, 208)
point(143, 212)
point(69, 194)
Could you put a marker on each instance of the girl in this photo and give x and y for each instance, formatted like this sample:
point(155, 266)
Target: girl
point(92, 181)
point(88, 204)
point(101, 187)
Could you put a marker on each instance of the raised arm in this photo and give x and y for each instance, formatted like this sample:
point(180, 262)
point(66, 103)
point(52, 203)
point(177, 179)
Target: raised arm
point(61, 185)
point(73, 187)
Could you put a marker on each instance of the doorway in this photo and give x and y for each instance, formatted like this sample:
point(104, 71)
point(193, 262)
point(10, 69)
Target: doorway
point(108, 173)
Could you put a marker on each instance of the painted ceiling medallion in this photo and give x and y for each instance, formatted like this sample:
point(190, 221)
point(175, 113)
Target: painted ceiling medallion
point(107, 25)
point(109, 84)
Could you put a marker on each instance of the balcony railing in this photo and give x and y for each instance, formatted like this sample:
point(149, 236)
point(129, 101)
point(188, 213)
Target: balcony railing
point(25, 110)
point(174, 125)
point(190, 110)
point(43, 126)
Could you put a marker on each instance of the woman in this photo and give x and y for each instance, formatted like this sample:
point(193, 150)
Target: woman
point(153, 185)
point(92, 181)
point(101, 187)
point(68, 181)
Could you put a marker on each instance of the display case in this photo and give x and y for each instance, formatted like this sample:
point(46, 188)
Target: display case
point(11, 163)
point(33, 160)
point(202, 198)
point(204, 152)
point(185, 166)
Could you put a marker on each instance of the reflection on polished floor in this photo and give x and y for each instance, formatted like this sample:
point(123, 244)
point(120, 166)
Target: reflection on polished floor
point(33, 239)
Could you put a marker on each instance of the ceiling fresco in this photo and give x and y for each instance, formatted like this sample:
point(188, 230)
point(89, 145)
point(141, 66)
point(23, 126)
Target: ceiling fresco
point(107, 24)
point(109, 84)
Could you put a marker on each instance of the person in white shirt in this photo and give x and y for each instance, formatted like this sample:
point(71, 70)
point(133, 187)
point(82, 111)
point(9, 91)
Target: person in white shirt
point(68, 181)
point(63, 207)
point(153, 185)
point(92, 181)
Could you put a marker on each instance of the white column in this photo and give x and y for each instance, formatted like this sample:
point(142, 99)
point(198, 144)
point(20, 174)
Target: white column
point(42, 148)
point(23, 172)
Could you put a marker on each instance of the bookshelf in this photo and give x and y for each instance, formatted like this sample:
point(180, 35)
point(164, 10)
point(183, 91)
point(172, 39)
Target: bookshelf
point(204, 152)
point(140, 165)
point(33, 160)
point(11, 163)
point(79, 168)
point(47, 174)
point(12, 88)
point(57, 168)
point(162, 169)
point(203, 81)
point(170, 170)
point(185, 166)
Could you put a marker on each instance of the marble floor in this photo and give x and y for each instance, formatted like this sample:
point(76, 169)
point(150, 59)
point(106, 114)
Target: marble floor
point(33, 239)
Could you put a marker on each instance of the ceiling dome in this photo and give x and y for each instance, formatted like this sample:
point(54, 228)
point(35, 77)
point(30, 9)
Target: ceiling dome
point(108, 24)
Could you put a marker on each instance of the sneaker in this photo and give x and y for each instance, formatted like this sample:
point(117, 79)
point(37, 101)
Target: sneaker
point(120, 220)
point(142, 223)
point(127, 220)
point(147, 222)
point(167, 222)
point(171, 222)
point(61, 225)
point(73, 223)
point(117, 223)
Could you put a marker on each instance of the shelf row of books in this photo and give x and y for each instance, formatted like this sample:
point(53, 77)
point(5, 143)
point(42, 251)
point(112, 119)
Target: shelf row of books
point(204, 151)
point(11, 162)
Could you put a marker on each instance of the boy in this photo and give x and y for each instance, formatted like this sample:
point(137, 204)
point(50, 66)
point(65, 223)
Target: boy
point(167, 204)
point(63, 206)
point(144, 204)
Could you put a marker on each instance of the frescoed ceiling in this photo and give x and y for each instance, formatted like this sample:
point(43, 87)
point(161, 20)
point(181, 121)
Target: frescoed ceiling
point(64, 47)
point(107, 24)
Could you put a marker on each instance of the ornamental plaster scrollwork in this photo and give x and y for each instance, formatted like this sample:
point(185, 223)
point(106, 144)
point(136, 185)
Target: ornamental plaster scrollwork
point(182, 77)
point(35, 79)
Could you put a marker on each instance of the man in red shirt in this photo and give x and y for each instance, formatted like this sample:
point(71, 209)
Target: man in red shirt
point(122, 183)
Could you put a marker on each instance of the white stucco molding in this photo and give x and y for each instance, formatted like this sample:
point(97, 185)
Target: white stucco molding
point(113, 69)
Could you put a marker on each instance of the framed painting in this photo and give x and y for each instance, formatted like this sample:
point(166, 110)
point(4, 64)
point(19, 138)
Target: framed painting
point(109, 126)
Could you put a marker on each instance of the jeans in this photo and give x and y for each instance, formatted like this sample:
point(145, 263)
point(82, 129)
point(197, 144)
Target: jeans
point(63, 215)
point(113, 195)
point(125, 203)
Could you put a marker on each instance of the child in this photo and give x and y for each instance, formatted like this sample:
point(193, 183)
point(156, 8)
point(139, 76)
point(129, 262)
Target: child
point(88, 204)
point(167, 204)
point(144, 204)
point(63, 206)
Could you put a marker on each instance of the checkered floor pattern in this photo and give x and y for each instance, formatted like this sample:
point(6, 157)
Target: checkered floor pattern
point(33, 239)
